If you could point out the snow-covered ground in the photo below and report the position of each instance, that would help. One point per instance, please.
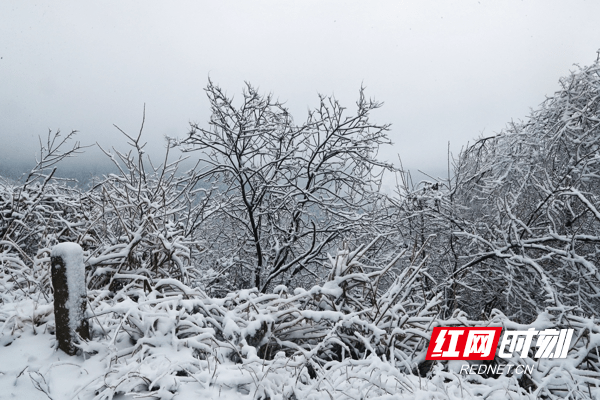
(182, 346)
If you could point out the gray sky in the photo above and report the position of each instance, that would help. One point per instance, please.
(446, 70)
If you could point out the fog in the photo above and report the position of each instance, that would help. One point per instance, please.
(447, 72)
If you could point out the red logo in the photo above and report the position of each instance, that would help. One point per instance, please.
(463, 343)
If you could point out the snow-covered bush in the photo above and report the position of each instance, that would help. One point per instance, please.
(176, 342)
(145, 220)
(36, 213)
(533, 193)
(516, 226)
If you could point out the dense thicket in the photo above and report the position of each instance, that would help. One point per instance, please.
(516, 229)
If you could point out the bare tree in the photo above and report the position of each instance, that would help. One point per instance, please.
(287, 192)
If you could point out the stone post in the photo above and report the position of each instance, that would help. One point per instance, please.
(70, 296)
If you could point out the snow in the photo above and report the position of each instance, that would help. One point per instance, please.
(168, 346)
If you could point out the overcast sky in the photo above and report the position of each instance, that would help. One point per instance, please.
(447, 71)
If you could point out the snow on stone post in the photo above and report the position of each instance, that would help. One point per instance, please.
(70, 295)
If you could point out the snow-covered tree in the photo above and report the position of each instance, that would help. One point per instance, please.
(285, 192)
(517, 227)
